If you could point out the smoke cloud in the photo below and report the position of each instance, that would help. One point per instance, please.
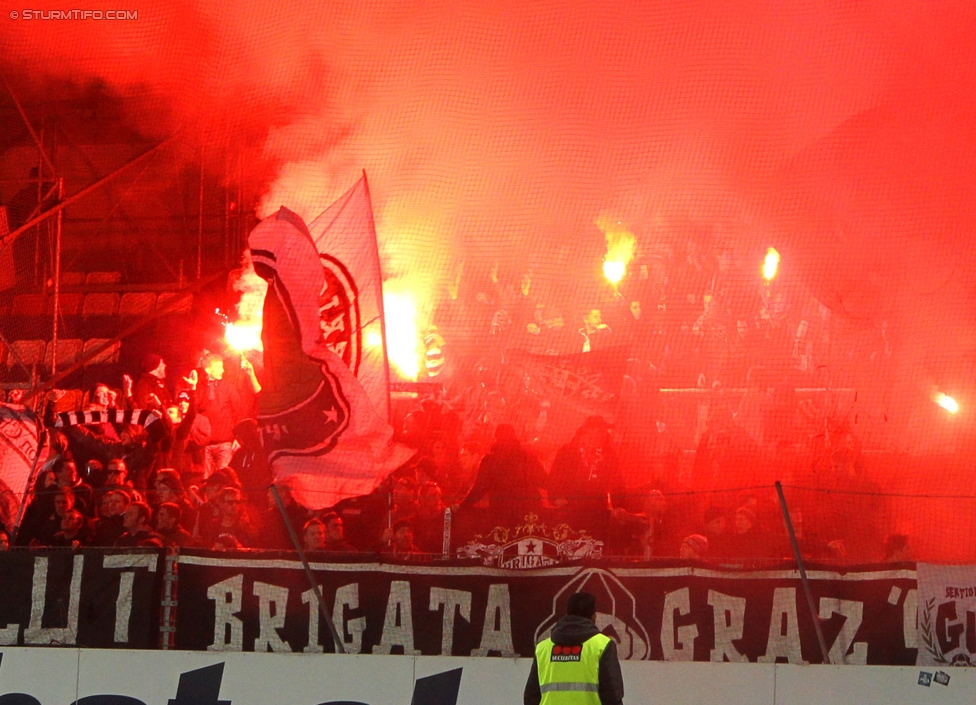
(841, 132)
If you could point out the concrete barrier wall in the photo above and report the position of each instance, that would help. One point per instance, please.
(116, 677)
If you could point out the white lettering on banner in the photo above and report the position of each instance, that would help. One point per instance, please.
(784, 629)
(909, 619)
(346, 596)
(853, 613)
(729, 618)
(8, 635)
(309, 598)
(398, 626)
(452, 601)
(272, 603)
(123, 603)
(35, 633)
(228, 596)
(497, 612)
(682, 648)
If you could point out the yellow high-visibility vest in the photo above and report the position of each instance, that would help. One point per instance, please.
(570, 675)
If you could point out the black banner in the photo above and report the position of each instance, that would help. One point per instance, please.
(679, 612)
(89, 598)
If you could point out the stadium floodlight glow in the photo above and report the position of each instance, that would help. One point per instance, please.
(614, 270)
(946, 402)
(770, 264)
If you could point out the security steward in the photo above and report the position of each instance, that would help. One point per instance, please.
(577, 665)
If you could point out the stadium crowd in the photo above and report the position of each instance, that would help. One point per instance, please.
(490, 449)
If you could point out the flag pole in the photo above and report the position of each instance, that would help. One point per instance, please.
(319, 600)
(803, 574)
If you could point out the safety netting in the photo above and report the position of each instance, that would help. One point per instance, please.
(739, 233)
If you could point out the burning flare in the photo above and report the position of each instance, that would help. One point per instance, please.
(946, 402)
(402, 333)
(770, 264)
(620, 248)
(245, 333)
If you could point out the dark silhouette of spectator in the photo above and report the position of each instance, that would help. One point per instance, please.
(109, 526)
(169, 525)
(190, 435)
(40, 508)
(227, 542)
(232, 518)
(401, 541)
(335, 535)
(715, 527)
(169, 489)
(274, 532)
(585, 478)
(220, 401)
(405, 498)
(137, 522)
(117, 478)
(897, 549)
(748, 540)
(428, 522)
(150, 391)
(67, 474)
(75, 531)
(510, 480)
(313, 536)
(209, 510)
(693, 548)
(63, 502)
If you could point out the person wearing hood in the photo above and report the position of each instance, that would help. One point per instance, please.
(577, 665)
(510, 479)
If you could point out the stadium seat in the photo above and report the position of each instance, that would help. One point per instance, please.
(68, 351)
(70, 304)
(100, 305)
(26, 352)
(73, 400)
(103, 278)
(137, 303)
(109, 355)
(167, 298)
(29, 305)
(72, 278)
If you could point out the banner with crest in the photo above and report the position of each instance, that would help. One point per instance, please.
(946, 615)
(676, 612)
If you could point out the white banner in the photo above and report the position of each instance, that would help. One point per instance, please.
(946, 615)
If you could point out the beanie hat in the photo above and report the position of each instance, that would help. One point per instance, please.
(697, 542)
(748, 513)
(150, 362)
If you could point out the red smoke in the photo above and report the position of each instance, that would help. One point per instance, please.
(499, 131)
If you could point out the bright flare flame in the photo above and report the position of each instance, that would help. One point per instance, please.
(402, 336)
(243, 335)
(374, 339)
(946, 402)
(614, 270)
(620, 248)
(770, 264)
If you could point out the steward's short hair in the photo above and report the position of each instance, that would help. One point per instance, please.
(581, 604)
